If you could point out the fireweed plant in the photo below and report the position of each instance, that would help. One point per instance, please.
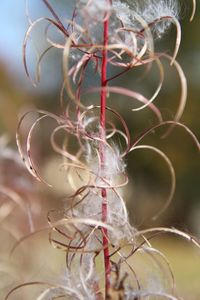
(93, 228)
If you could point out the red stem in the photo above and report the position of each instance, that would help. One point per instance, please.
(107, 265)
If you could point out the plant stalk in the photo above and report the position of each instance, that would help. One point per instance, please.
(107, 265)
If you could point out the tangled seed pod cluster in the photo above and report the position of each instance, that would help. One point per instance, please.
(93, 226)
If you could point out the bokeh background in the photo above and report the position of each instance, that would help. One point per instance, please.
(149, 177)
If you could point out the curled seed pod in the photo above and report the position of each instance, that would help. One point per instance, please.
(93, 228)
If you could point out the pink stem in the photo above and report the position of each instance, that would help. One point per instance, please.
(102, 153)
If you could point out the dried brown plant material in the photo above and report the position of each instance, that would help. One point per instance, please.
(93, 228)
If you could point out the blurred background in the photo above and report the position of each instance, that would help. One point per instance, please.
(148, 176)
